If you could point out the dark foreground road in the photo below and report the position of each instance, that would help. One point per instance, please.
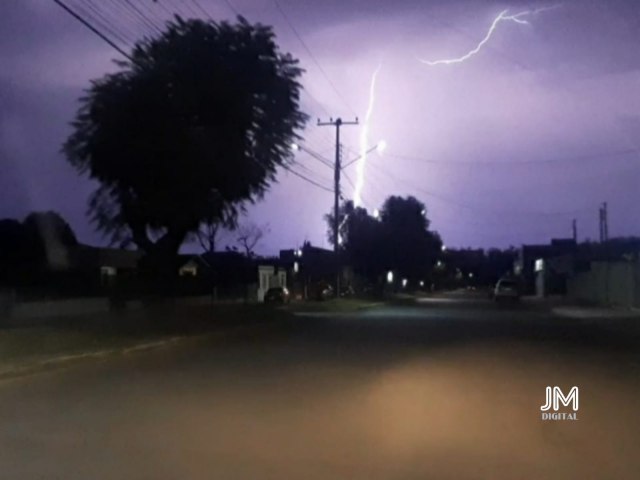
(446, 389)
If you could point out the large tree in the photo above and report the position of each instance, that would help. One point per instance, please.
(412, 247)
(398, 240)
(194, 126)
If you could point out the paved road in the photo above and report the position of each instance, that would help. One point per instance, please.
(448, 388)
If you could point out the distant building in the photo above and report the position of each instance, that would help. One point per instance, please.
(544, 269)
(106, 263)
(311, 270)
(230, 274)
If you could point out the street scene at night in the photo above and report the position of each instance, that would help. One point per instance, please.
(247, 239)
(449, 387)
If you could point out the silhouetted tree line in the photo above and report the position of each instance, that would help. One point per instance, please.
(397, 238)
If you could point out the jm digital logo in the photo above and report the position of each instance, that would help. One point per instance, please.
(554, 399)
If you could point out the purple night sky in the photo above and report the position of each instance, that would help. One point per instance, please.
(538, 128)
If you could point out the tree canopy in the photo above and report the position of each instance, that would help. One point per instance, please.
(398, 240)
(185, 133)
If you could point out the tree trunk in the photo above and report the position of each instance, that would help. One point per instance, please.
(159, 266)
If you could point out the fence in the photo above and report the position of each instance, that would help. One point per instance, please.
(607, 283)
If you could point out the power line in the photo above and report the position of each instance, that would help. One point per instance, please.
(145, 20)
(446, 199)
(153, 12)
(313, 58)
(316, 156)
(202, 9)
(190, 10)
(161, 4)
(232, 7)
(310, 171)
(101, 19)
(122, 13)
(314, 99)
(550, 161)
(349, 181)
(176, 9)
(93, 29)
(307, 179)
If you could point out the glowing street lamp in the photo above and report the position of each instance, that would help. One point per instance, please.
(422, 283)
(295, 147)
(376, 214)
(389, 276)
(404, 282)
(444, 248)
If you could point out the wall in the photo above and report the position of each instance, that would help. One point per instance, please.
(607, 283)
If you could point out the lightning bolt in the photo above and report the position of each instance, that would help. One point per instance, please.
(519, 18)
(364, 140)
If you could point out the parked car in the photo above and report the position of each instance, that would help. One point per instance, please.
(323, 291)
(347, 291)
(506, 289)
(277, 295)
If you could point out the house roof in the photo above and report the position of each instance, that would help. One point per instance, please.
(87, 257)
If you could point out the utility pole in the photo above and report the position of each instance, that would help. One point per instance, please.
(574, 227)
(337, 123)
(605, 221)
(600, 224)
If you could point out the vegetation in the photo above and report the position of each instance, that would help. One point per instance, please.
(399, 240)
(187, 132)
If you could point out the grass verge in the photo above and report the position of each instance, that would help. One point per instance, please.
(44, 344)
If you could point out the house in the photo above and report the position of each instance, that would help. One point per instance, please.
(103, 263)
(544, 269)
(230, 274)
(313, 268)
(270, 275)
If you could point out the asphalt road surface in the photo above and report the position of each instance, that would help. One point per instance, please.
(448, 388)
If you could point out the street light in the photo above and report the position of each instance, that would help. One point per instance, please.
(376, 214)
(422, 283)
(389, 276)
(404, 282)
(296, 267)
(444, 248)
(295, 147)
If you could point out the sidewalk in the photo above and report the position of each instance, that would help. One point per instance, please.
(595, 312)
